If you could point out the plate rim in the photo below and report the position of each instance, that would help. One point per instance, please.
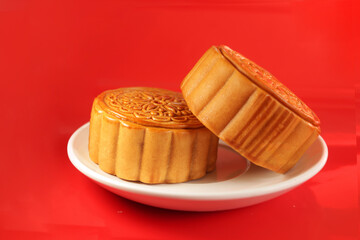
(145, 189)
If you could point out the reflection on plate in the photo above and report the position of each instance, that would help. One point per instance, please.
(235, 183)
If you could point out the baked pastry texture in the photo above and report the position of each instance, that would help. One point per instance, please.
(249, 109)
(149, 135)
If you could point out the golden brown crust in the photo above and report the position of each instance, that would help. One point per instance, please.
(149, 154)
(251, 120)
(269, 83)
(149, 107)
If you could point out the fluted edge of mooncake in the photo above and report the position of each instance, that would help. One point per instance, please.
(246, 117)
(150, 154)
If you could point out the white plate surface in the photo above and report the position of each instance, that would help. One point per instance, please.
(235, 183)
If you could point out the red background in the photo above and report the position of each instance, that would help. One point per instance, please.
(56, 56)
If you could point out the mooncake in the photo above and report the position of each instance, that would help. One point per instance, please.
(149, 135)
(249, 109)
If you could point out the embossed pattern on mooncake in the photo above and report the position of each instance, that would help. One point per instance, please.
(269, 82)
(150, 107)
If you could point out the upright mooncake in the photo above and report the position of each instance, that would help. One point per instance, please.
(249, 109)
(149, 135)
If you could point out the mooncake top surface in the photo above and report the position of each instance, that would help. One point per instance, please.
(270, 84)
(153, 107)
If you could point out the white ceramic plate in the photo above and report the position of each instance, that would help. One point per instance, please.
(234, 184)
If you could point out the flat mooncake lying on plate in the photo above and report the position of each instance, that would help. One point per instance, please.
(149, 135)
